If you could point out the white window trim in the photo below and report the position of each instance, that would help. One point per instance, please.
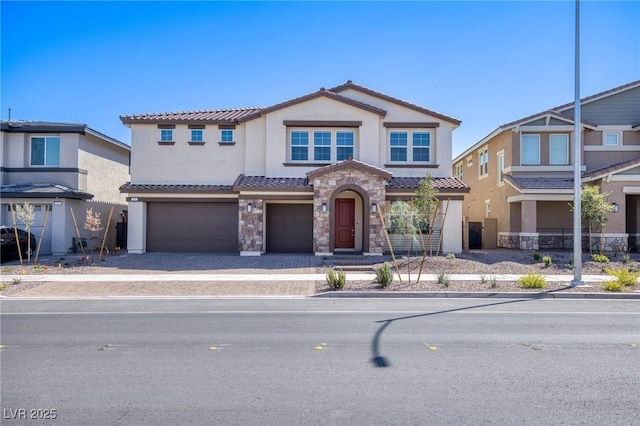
(522, 150)
(191, 135)
(310, 147)
(567, 150)
(611, 132)
(233, 136)
(167, 130)
(409, 147)
(501, 168)
(483, 162)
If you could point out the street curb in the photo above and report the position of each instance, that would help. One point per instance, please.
(480, 295)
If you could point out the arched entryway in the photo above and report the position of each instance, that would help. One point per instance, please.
(349, 219)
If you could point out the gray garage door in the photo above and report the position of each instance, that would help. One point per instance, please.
(192, 227)
(289, 228)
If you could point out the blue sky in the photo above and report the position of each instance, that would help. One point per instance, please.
(485, 63)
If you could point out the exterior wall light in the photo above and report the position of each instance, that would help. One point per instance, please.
(616, 208)
(249, 207)
(374, 208)
(324, 207)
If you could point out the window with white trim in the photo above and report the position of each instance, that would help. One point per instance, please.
(558, 149)
(611, 138)
(501, 167)
(45, 151)
(530, 149)
(197, 135)
(459, 170)
(226, 136)
(327, 145)
(483, 162)
(166, 135)
(487, 208)
(410, 146)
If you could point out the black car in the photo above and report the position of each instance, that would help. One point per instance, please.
(9, 249)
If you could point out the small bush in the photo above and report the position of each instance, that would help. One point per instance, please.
(625, 276)
(600, 258)
(384, 276)
(444, 279)
(483, 279)
(537, 257)
(626, 258)
(16, 280)
(493, 281)
(336, 279)
(546, 260)
(2, 287)
(451, 256)
(532, 281)
(614, 285)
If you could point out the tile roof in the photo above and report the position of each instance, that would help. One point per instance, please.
(440, 183)
(145, 187)
(540, 183)
(247, 182)
(43, 190)
(612, 168)
(351, 85)
(350, 162)
(205, 116)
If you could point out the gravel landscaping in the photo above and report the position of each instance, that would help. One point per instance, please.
(488, 265)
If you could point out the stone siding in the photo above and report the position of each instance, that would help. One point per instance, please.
(250, 229)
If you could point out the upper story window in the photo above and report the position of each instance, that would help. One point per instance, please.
(45, 151)
(483, 162)
(501, 167)
(299, 145)
(328, 145)
(459, 170)
(321, 146)
(197, 135)
(166, 135)
(611, 138)
(410, 146)
(344, 141)
(530, 149)
(226, 135)
(559, 149)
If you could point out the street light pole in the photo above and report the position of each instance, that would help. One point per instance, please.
(577, 162)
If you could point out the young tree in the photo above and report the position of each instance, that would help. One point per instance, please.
(92, 222)
(26, 215)
(595, 210)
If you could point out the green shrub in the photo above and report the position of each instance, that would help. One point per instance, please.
(626, 258)
(336, 279)
(2, 287)
(493, 281)
(451, 256)
(444, 279)
(16, 280)
(532, 281)
(614, 285)
(483, 279)
(625, 276)
(384, 276)
(600, 258)
(546, 260)
(537, 257)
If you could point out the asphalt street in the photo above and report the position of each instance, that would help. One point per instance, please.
(320, 361)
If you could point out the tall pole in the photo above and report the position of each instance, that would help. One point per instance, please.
(577, 162)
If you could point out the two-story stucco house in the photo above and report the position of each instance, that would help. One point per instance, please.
(306, 175)
(57, 167)
(521, 175)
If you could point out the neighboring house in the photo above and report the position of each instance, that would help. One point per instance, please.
(58, 167)
(521, 175)
(305, 175)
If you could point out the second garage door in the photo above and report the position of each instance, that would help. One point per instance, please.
(289, 228)
(192, 227)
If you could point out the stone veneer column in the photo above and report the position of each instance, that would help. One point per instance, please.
(330, 185)
(250, 227)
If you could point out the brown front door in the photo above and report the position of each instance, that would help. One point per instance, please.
(345, 223)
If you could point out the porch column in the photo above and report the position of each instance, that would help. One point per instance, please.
(529, 225)
(137, 227)
(250, 227)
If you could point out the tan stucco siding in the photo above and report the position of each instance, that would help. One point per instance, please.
(208, 163)
(107, 166)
